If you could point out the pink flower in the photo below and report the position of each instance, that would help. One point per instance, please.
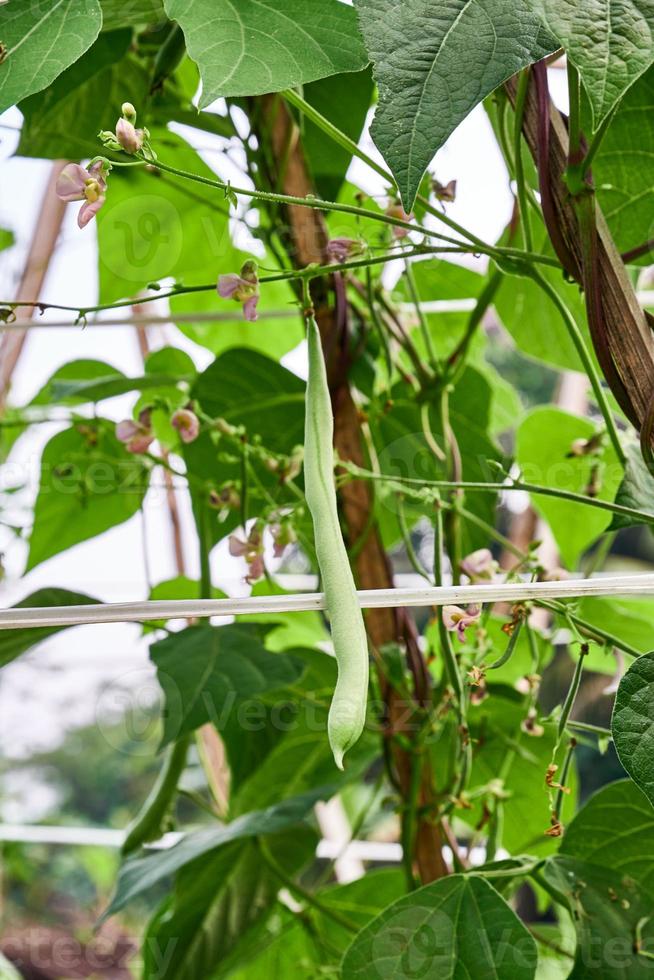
(187, 424)
(137, 436)
(397, 211)
(283, 535)
(341, 249)
(243, 288)
(457, 619)
(251, 549)
(130, 139)
(479, 566)
(75, 183)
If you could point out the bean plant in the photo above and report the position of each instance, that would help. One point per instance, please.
(216, 149)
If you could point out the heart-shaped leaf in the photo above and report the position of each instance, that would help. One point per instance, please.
(633, 723)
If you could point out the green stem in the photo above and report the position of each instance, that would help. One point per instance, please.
(586, 360)
(408, 543)
(204, 542)
(305, 895)
(521, 95)
(422, 320)
(568, 704)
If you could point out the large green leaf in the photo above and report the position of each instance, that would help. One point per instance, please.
(207, 671)
(544, 445)
(246, 389)
(456, 927)
(155, 225)
(43, 38)
(607, 908)
(124, 13)
(615, 829)
(288, 949)
(89, 483)
(258, 46)
(15, 642)
(139, 873)
(611, 42)
(433, 65)
(629, 617)
(636, 490)
(632, 724)
(219, 906)
(344, 100)
(495, 728)
(64, 119)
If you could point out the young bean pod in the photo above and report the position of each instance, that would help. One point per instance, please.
(150, 822)
(348, 708)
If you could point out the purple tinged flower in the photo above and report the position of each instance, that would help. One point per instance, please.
(130, 139)
(76, 183)
(187, 424)
(251, 549)
(283, 535)
(458, 620)
(479, 566)
(243, 288)
(136, 436)
(342, 249)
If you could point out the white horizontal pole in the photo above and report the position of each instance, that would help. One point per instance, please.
(135, 612)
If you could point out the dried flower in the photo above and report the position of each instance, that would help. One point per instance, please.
(457, 619)
(137, 436)
(444, 192)
(530, 725)
(187, 424)
(480, 566)
(396, 210)
(243, 288)
(76, 183)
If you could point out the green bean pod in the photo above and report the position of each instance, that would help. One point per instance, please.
(347, 712)
(149, 823)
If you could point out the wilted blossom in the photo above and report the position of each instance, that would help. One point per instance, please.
(76, 183)
(530, 724)
(187, 424)
(243, 288)
(479, 566)
(457, 620)
(137, 436)
(396, 210)
(342, 249)
(251, 549)
(554, 575)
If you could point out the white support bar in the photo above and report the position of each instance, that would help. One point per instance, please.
(460, 595)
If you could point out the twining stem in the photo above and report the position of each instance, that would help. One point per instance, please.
(521, 96)
(586, 360)
(422, 319)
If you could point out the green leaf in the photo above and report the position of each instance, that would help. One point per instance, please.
(629, 617)
(89, 483)
(60, 387)
(543, 445)
(41, 40)
(534, 322)
(64, 120)
(621, 176)
(632, 724)
(259, 46)
(124, 13)
(6, 239)
(15, 642)
(611, 42)
(155, 225)
(606, 908)
(636, 490)
(615, 829)
(288, 949)
(205, 671)
(496, 725)
(433, 67)
(344, 100)
(458, 926)
(138, 874)
(246, 389)
(218, 908)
